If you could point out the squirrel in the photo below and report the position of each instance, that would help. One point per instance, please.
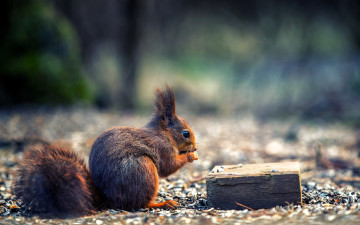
(125, 164)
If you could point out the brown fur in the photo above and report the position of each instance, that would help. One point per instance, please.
(125, 165)
(54, 182)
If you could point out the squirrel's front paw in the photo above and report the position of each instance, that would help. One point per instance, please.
(192, 156)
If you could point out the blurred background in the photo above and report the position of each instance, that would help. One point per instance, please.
(272, 59)
(259, 81)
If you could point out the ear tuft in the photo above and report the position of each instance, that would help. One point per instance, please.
(165, 104)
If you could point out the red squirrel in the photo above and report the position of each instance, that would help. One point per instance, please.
(124, 167)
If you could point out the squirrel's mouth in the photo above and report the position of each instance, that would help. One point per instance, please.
(183, 151)
(187, 149)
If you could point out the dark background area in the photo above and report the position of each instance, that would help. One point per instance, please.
(268, 58)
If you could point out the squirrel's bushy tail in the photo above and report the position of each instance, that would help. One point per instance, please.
(54, 182)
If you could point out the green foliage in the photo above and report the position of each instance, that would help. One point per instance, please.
(40, 58)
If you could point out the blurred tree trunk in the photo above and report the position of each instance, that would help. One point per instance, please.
(130, 45)
(109, 23)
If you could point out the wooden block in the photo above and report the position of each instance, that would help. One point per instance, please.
(254, 185)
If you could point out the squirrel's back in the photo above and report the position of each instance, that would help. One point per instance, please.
(54, 182)
(124, 166)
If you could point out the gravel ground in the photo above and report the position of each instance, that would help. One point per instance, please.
(328, 153)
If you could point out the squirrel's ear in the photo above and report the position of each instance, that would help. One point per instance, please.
(165, 104)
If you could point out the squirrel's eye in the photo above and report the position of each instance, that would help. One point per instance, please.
(186, 134)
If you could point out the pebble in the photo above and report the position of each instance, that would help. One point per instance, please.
(99, 222)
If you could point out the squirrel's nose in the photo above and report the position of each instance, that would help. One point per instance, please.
(194, 146)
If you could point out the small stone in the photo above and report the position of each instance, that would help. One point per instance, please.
(7, 196)
(6, 213)
(330, 217)
(113, 211)
(311, 184)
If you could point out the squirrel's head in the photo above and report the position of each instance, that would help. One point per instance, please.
(176, 128)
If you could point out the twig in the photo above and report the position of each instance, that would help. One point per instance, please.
(196, 179)
(246, 207)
